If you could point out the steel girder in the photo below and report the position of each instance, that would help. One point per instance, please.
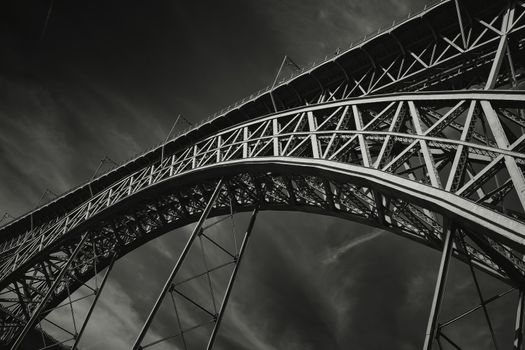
(408, 163)
(399, 162)
(445, 55)
(134, 226)
(475, 28)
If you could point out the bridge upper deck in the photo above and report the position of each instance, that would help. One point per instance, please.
(363, 69)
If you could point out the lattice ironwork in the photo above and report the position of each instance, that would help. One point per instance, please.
(444, 168)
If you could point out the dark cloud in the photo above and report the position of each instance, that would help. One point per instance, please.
(107, 78)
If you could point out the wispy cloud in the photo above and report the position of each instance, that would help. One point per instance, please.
(241, 330)
(114, 317)
(333, 254)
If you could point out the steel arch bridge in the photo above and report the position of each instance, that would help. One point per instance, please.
(420, 136)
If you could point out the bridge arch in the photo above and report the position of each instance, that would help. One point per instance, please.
(379, 160)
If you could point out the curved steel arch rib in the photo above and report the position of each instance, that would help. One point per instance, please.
(405, 163)
(274, 184)
(414, 163)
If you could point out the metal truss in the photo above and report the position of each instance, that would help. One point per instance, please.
(443, 140)
(476, 42)
(444, 168)
(213, 317)
(411, 160)
(451, 52)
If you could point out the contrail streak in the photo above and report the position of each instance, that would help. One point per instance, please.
(334, 254)
(47, 20)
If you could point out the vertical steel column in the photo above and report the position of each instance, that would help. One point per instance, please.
(92, 307)
(460, 22)
(502, 47)
(232, 279)
(440, 287)
(481, 299)
(196, 230)
(34, 317)
(359, 125)
(313, 137)
(515, 173)
(275, 139)
(518, 330)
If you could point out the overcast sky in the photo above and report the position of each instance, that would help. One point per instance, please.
(107, 78)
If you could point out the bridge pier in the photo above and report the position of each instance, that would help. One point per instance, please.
(185, 251)
(171, 287)
(40, 308)
(518, 330)
(439, 290)
(232, 280)
(94, 303)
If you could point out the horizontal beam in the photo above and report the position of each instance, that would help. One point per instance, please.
(514, 96)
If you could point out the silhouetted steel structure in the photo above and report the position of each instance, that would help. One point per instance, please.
(418, 130)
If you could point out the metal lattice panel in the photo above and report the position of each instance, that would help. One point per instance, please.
(445, 168)
(359, 133)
